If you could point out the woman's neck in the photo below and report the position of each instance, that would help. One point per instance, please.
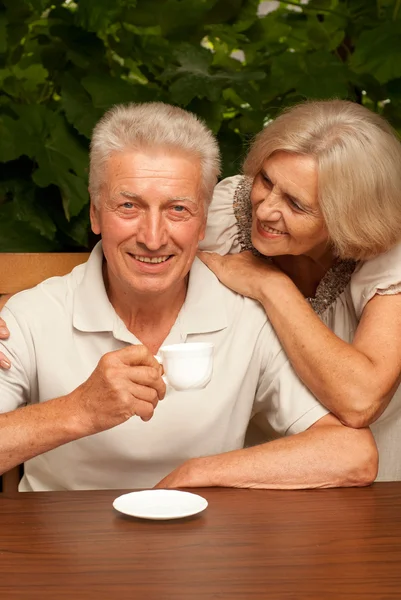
(306, 271)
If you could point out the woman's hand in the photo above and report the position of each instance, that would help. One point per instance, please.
(4, 334)
(244, 273)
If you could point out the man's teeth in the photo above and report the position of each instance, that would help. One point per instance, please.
(271, 230)
(156, 259)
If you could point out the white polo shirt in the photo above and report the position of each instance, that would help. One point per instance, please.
(61, 328)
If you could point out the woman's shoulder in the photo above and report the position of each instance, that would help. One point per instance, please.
(332, 286)
(379, 275)
(225, 221)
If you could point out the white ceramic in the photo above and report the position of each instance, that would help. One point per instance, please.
(160, 505)
(187, 366)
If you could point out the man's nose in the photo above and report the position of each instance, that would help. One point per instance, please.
(270, 209)
(152, 231)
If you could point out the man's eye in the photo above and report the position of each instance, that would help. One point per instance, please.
(128, 205)
(178, 208)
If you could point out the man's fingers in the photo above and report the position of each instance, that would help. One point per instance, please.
(143, 393)
(144, 410)
(149, 377)
(135, 355)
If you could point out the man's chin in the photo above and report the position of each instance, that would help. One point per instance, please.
(151, 286)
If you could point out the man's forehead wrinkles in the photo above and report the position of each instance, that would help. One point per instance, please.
(135, 196)
(155, 173)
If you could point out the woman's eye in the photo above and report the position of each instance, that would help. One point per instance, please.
(266, 180)
(295, 204)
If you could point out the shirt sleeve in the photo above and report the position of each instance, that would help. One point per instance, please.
(282, 402)
(15, 383)
(222, 227)
(380, 275)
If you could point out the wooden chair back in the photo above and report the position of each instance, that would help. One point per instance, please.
(20, 271)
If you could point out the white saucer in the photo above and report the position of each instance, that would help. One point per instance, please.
(160, 504)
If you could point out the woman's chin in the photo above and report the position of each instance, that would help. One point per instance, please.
(269, 247)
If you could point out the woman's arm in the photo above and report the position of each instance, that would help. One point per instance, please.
(354, 381)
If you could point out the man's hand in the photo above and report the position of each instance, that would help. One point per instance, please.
(4, 334)
(125, 383)
(192, 473)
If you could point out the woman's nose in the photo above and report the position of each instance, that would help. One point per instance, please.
(270, 208)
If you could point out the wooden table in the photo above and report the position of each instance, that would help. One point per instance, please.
(320, 544)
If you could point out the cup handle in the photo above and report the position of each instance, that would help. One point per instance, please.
(160, 361)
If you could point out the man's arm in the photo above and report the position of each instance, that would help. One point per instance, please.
(125, 383)
(328, 454)
(4, 334)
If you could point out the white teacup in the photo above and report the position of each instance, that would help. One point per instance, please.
(187, 366)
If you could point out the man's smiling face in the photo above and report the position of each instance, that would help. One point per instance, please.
(151, 217)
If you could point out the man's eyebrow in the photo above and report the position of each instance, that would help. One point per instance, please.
(181, 199)
(134, 196)
(130, 195)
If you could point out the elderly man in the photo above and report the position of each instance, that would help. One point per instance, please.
(80, 402)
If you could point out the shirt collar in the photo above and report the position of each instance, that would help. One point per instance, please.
(92, 308)
(203, 311)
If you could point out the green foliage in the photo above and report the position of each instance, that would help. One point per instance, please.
(235, 63)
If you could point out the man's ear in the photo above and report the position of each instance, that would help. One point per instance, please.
(94, 218)
(202, 231)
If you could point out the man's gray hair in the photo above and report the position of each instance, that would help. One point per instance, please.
(152, 125)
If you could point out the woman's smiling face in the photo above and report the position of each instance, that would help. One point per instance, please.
(286, 215)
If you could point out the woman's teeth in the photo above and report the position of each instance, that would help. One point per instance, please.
(271, 230)
(147, 259)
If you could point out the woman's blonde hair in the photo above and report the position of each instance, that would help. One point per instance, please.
(358, 158)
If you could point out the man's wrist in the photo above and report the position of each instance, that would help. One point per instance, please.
(203, 472)
(76, 422)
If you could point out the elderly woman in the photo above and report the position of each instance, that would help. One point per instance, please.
(321, 198)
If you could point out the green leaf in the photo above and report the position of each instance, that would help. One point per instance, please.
(248, 15)
(78, 106)
(314, 75)
(193, 60)
(74, 192)
(83, 48)
(188, 87)
(31, 77)
(3, 32)
(378, 52)
(96, 15)
(77, 229)
(13, 139)
(25, 207)
(324, 77)
(19, 236)
(61, 159)
(106, 91)
(53, 139)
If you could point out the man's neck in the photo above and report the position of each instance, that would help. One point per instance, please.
(149, 317)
